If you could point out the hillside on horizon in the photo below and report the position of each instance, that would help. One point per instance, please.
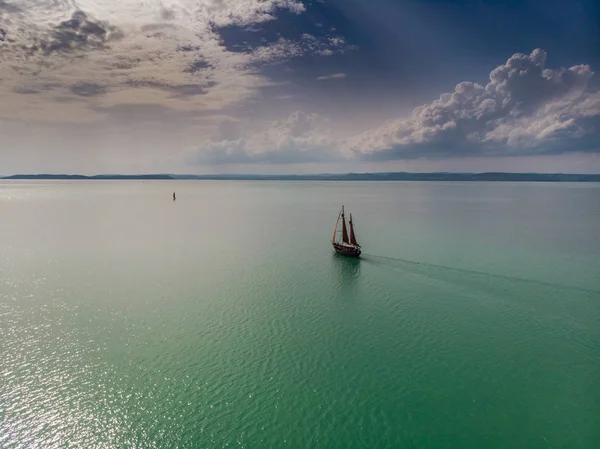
(385, 176)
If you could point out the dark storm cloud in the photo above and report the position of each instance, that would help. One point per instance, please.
(188, 47)
(26, 90)
(178, 90)
(126, 64)
(167, 14)
(197, 66)
(88, 89)
(36, 88)
(184, 90)
(9, 7)
(139, 83)
(78, 33)
(63, 99)
(157, 29)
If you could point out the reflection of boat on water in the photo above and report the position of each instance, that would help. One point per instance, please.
(346, 270)
(347, 246)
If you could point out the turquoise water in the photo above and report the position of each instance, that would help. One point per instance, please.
(223, 319)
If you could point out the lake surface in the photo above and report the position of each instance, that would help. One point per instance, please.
(223, 319)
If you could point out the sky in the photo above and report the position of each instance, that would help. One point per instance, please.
(299, 86)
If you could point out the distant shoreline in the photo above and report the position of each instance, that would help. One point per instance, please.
(391, 176)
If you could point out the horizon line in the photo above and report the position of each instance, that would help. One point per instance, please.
(306, 174)
(331, 177)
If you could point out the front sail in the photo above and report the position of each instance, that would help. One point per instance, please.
(336, 226)
(344, 230)
(352, 236)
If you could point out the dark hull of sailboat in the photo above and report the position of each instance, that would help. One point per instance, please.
(347, 250)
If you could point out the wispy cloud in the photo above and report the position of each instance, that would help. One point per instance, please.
(176, 51)
(299, 138)
(284, 49)
(331, 77)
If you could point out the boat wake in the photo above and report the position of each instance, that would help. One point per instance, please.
(389, 261)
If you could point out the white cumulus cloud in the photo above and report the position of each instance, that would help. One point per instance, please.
(525, 108)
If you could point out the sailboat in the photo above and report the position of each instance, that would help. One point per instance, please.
(348, 246)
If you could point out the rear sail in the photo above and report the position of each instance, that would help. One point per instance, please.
(344, 230)
(352, 236)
